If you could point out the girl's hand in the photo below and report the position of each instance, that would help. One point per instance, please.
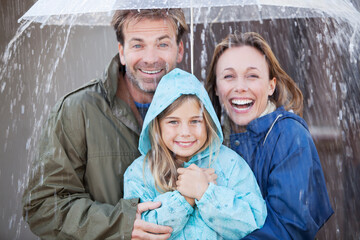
(211, 175)
(191, 201)
(192, 181)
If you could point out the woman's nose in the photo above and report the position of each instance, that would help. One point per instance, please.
(241, 85)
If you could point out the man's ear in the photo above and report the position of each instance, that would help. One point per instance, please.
(121, 53)
(180, 52)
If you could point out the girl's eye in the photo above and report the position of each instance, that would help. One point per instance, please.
(173, 122)
(195, 121)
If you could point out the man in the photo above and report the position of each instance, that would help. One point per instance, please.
(76, 188)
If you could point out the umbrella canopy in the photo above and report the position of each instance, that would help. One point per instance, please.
(94, 12)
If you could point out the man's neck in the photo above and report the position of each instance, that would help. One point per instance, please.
(137, 94)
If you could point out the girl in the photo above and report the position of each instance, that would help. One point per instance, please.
(180, 140)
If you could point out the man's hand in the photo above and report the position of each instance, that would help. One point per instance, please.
(145, 230)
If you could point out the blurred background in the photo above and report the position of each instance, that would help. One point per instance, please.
(39, 64)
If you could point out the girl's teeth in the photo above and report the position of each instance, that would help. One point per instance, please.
(185, 144)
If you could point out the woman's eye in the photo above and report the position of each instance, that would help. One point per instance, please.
(229, 76)
(253, 76)
(173, 122)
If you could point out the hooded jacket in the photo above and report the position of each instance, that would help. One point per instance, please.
(279, 149)
(75, 186)
(230, 209)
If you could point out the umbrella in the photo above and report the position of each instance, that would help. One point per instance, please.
(93, 12)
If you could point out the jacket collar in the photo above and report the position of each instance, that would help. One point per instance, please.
(110, 80)
(118, 96)
(260, 127)
(257, 128)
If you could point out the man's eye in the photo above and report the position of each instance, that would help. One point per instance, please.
(163, 45)
(137, 46)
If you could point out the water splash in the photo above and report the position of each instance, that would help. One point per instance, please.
(321, 54)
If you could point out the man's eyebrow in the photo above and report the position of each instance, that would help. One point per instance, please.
(163, 37)
(141, 40)
(136, 40)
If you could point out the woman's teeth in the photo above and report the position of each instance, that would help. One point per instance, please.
(242, 102)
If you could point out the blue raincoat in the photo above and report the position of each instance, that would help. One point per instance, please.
(231, 209)
(279, 149)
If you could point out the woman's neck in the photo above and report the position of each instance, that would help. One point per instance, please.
(237, 128)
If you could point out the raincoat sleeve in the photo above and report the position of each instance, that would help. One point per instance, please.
(297, 198)
(56, 203)
(174, 211)
(237, 208)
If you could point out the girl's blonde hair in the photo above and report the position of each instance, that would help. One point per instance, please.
(286, 93)
(162, 162)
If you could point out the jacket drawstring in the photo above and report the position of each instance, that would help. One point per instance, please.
(272, 125)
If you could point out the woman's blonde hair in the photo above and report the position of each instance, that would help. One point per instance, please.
(286, 93)
(162, 162)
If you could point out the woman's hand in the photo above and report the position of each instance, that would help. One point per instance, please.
(193, 181)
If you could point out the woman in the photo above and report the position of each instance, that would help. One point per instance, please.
(258, 103)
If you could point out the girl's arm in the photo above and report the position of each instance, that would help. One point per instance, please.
(174, 211)
(236, 208)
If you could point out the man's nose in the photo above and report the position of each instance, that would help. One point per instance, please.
(150, 55)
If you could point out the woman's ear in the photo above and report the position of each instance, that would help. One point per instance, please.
(272, 86)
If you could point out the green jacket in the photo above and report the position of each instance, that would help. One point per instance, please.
(76, 185)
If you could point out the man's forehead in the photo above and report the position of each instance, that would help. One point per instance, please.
(150, 26)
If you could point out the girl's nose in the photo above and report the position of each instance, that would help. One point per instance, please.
(185, 130)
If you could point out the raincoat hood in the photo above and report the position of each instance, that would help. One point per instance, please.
(171, 87)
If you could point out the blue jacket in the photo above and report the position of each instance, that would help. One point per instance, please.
(280, 151)
(229, 210)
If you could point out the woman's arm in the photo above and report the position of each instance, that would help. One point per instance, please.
(296, 195)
